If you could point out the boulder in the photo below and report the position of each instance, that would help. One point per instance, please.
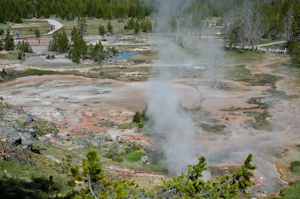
(15, 134)
(144, 159)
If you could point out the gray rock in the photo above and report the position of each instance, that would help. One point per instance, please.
(91, 136)
(46, 140)
(106, 138)
(144, 159)
(29, 119)
(60, 137)
(15, 134)
(120, 139)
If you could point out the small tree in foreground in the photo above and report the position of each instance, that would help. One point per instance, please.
(110, 28)
(102, 30)
(9, 41)
(37, 33)
(187, 185)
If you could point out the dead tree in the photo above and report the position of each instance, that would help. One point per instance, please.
(257, 30)
(201, 98)
(247, 14)
(288, 24)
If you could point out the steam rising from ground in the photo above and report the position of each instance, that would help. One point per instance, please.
(164, 102)
(168, 117)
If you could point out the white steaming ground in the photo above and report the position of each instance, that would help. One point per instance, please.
(167, 117)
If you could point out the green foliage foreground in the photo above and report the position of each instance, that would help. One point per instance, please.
(187, 185)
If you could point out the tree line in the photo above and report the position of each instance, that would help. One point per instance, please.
(14, 10)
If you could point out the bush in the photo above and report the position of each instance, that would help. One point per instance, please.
(71, 183)
(78, 178)
(113, 153)
(53, 56)
(48, 57)
(19, 56)
(74, 171)
(135, 156)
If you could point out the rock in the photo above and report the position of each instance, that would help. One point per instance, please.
(120, 139)
(83, 142)
(29, 119)
(144, 159)
(91, 136)
(16, 134)
(46, 140)
(106, 138)
(60, 137)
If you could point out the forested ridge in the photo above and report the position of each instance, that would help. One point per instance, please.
(14, 10)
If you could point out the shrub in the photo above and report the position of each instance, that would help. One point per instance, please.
(19, 56)
(78, 178)
(74, 171)
(135, 156)
(71, 183)
(113, 153)
(48, 57)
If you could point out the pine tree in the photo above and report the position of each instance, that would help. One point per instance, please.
(136, 27)
(109, 28)
(37, 33)
(9, 41)
(1, 45)
(102, 30)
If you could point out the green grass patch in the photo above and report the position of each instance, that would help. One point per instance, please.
(135, 156)
(104, 124)
(238, 56)
(283, 95)
(291, 191)
(9, 56)
(213, 128)
(233, 108)
(295, 167)
(37, 184)
(34, 72)
(240, 73)
(128, 125)
(261, 123)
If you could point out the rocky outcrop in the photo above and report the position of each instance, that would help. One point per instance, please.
(93, 140)
(16, 134)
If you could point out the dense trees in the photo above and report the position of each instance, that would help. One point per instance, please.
(59, 43)
(14, 10)
(294, 44)
(187, 185)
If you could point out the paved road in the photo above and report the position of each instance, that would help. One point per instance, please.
(56, 24)
(53, 22)
(267, 50)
